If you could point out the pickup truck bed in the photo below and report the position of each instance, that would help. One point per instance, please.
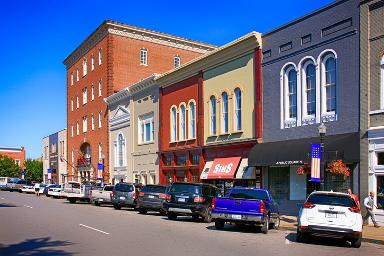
(246, 206)
(101, 196)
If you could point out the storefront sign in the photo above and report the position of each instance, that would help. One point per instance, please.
(315, 165)
(296, 162)
(223, 168)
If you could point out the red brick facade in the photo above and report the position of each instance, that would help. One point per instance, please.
(17, 154)
(120, 67)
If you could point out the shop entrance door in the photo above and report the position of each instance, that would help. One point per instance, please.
(181, 176)
(380, 198)
(278, 182)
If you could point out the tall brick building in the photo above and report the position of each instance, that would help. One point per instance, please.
(17, 154)
(112, 57)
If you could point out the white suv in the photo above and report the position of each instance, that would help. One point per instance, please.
(330, 214)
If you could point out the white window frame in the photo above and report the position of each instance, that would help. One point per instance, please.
(117, 151)
(92, 92)
(213, 115)
(77, 75)
(92, 62)
(173, 123)
(191, 120)
(85, 96)
(286, 121)
(143, 120)
(308, 118)
(381, 83)
(72, 130)
(85, 124)
(72, 104)
(100, 119)
(100, 88)
(72, 78)
(182, 122)
(327, 116)
(100, 55)
(93, 122)
(77, 128)
(235, 117)
(85, 67)
(224, 122)
(144, 57)
(176, 61)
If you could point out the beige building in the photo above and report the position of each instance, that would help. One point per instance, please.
(133, 126)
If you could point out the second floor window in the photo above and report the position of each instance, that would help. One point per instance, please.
(192, 120)
(85, 98)
(183, 128)
(120, 151)
(144, 56)
(173, 124)
(238, 109)
(330, 84)
(224, 113)
(146, 128)
(291, 92)
(213, 115)
(310, 89)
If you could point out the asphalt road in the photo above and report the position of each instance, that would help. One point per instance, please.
(31, 225)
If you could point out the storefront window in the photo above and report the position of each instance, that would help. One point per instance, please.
(380, 192)
(337, 183)
(380, 158)
(181, 176)
(195, 176)
(181, 160)
(278, 181)
(167, 160)
(195, 159)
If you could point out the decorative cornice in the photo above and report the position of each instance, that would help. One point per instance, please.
(121, 29)
(235, 49)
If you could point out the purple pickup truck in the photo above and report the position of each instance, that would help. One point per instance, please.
(251, 206)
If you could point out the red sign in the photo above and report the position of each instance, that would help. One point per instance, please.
(224, 168)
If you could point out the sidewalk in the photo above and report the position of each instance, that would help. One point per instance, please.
(370, 233)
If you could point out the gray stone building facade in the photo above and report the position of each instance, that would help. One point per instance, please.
(310, 76)
(133, 126)
(372, 101)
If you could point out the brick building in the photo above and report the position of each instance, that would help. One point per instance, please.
(112, 57)
(18, 154)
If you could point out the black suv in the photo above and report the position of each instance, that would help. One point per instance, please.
(190, 199)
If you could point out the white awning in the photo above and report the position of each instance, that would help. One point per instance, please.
(204, 173)
(242, 168)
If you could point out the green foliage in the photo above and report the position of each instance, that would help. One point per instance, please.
(33, 170)
(8, 167)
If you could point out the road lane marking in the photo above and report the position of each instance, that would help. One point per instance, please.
(95, 229)
(28, 206)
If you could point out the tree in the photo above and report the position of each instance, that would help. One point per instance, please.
(8, 167)
(34, 170)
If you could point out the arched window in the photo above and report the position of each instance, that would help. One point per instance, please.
(330, 84)
(292, 93)
(382, 82)
(120, 150)
(182, 134)
(310, 89)
(238, 109)
(192, 120)
(173, 124)
(213, 115)
(224, 113)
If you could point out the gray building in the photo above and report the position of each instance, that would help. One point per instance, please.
(310, 76)
(133, 127)
(372, 101)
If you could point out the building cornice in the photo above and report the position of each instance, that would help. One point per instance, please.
(121, 29)
(235, 49)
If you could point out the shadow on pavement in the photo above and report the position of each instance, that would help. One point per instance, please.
(327, 241)
(7, 205)
(238, 229)
(34, 247)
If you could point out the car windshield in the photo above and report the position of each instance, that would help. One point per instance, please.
(185, 188)
(108, 188)
(153, 189)
(73, 185)
(249, 194)
(124, 187)
(329, 199)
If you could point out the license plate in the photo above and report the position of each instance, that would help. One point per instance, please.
(236, 217)
(331, 215)
(181, 200)
(150, 196)
(122, 197)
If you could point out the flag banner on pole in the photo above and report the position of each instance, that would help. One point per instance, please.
(22, 174)
(315, 163)
(100, 168)
(49, 173)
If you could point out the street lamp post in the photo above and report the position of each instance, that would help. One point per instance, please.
(322, 131)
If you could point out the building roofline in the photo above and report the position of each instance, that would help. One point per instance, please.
(224, 53)
(12, 148)
(304, 17)
(118, 28)
(54, 133)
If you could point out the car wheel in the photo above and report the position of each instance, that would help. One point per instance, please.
(142, 210)
(96, 203)
(276, 224)
(72, 200)
(207, 218)
(219, 224)
(116, 206)
(265, 227)
(171, 216)
(356, 243)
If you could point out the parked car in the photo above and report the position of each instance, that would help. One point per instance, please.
(251, 206)
(56, 191)
(151, 198)
(42, 188)
(28, 188)
(190, 199)
(19, 185)
(11, 184)
(3, 182)
(46, 188)
(330, 214)
(75, 191)
(101, 195)
(125, 195)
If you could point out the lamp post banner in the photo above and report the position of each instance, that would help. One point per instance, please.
(315, 163)
(49, 173)
(22, 174)
(100, 168)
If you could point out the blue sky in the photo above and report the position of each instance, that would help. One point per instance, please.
(36, 36)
